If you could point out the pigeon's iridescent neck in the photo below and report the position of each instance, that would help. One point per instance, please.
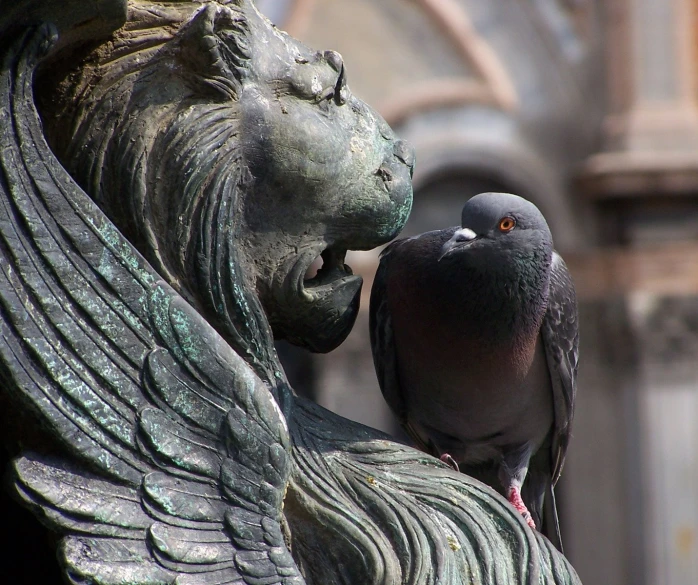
(505, 301)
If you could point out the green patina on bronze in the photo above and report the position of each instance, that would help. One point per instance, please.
(224, 157)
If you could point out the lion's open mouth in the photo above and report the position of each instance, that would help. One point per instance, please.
(333, 269)
(316, 311)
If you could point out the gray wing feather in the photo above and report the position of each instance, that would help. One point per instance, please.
(190, 450)
(382, 342)
(560, 332)
(383, 348)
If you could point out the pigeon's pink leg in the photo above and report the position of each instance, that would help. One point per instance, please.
(514, 497)
(448, 460)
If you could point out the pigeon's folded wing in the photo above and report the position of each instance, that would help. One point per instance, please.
(561, 340)
(382, 342)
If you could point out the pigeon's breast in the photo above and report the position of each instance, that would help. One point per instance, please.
(467, 381)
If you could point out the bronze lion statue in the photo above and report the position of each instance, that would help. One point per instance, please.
(168, 173)
(213, 140)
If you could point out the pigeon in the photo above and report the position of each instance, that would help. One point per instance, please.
(474, 335)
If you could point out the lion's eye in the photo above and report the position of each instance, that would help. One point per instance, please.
(325, 98)
(326, 94)
(506, 224)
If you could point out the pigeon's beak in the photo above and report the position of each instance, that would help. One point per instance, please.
(461, 238)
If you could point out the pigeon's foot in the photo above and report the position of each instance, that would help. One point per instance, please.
(514, 497)
(448, 460)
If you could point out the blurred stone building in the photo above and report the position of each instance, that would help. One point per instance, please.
(588, 108)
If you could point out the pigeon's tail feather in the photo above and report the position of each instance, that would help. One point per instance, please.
(537, 493)
(550, 526)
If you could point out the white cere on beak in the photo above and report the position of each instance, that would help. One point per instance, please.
(463, 235)
(460, 236)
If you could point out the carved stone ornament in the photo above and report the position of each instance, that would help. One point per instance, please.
(157, 219)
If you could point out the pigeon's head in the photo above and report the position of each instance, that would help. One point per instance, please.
(498, 228)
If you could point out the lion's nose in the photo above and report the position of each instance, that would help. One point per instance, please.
(404, 151)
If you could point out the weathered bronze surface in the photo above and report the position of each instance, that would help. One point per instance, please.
(206, 159)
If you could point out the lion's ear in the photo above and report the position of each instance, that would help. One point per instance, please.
(214, 48)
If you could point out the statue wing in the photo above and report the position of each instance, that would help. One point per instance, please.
(180, 454)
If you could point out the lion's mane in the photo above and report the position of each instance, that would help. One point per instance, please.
(154, 108)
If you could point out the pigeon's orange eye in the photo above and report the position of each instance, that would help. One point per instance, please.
(506, 224)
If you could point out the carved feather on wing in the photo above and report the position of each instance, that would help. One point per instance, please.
(183, 456)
